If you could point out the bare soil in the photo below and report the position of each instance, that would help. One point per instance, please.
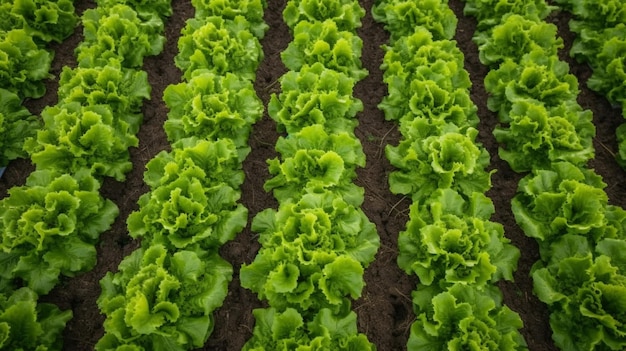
(385, 309)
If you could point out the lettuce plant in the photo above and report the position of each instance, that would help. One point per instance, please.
(95, 121)
(210, 161)
(566, 200)
(451, 160)
(601, 42)
(122, 89)
(315, 161)
(464, 317)
(212, 107)
(402, 17)
(220, 46)
(50, 227)
(43, 20)
(251, 10)
(192, 203)
(535, 136)
(594, 33)
(430, 97)
(26, 324)
(16, 125)
(323, 42)
(420, 57)
(545, 79)
(161, 300)
(426, 79)
(346, 13)
(23, 65)
(597, 14)
(601, 29)
(609, 66)
(428, 101)
(592, 37)
(516, 36)
(319, 220)
(76, 137)
(419, 127)
(118, 33)
(315, 95)
(184, 214)
(585, 289)
(145, 8)
(313, 253)
(450, 240)
(287, 330)
(490, 13)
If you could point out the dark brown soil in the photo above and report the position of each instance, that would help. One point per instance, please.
(385, 309)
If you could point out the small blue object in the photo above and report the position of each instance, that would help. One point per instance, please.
(2, 171)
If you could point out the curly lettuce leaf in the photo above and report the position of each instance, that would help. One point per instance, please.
(23, 65)
(16, 125)
(419, 127)
(451, 160)
(322, 280)
(193, 199)
(346, 13)
(315, 95)
(402, 17)
(537, 77)
(251, 10)
(535, 136)
(287, 330)
(426, 78)
(184, 214)
(211, 162)
(463, 317)
(601, 42)
(490, 13)
(516, 36)
(50, 227)
(609, 68)
(161, 300)
(319, 221)
(438, 108)
(118, 33)
(122, 89)
(220, 46)
(563, 200)
(445, 244)
(315, 161)
(43, 20)
(76, 137)
(212, 107)
(597, 14)
(323, 42)
(313, 253)
(26, 324)
(601, 29)
(586, 293)
(419, 56)
(144, 8)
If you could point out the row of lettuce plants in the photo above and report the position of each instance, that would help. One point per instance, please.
(164, 294)
(27, 27)
(449, 242)
(561, 203)
(50, 226)
(317, 243)
(600, 27)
